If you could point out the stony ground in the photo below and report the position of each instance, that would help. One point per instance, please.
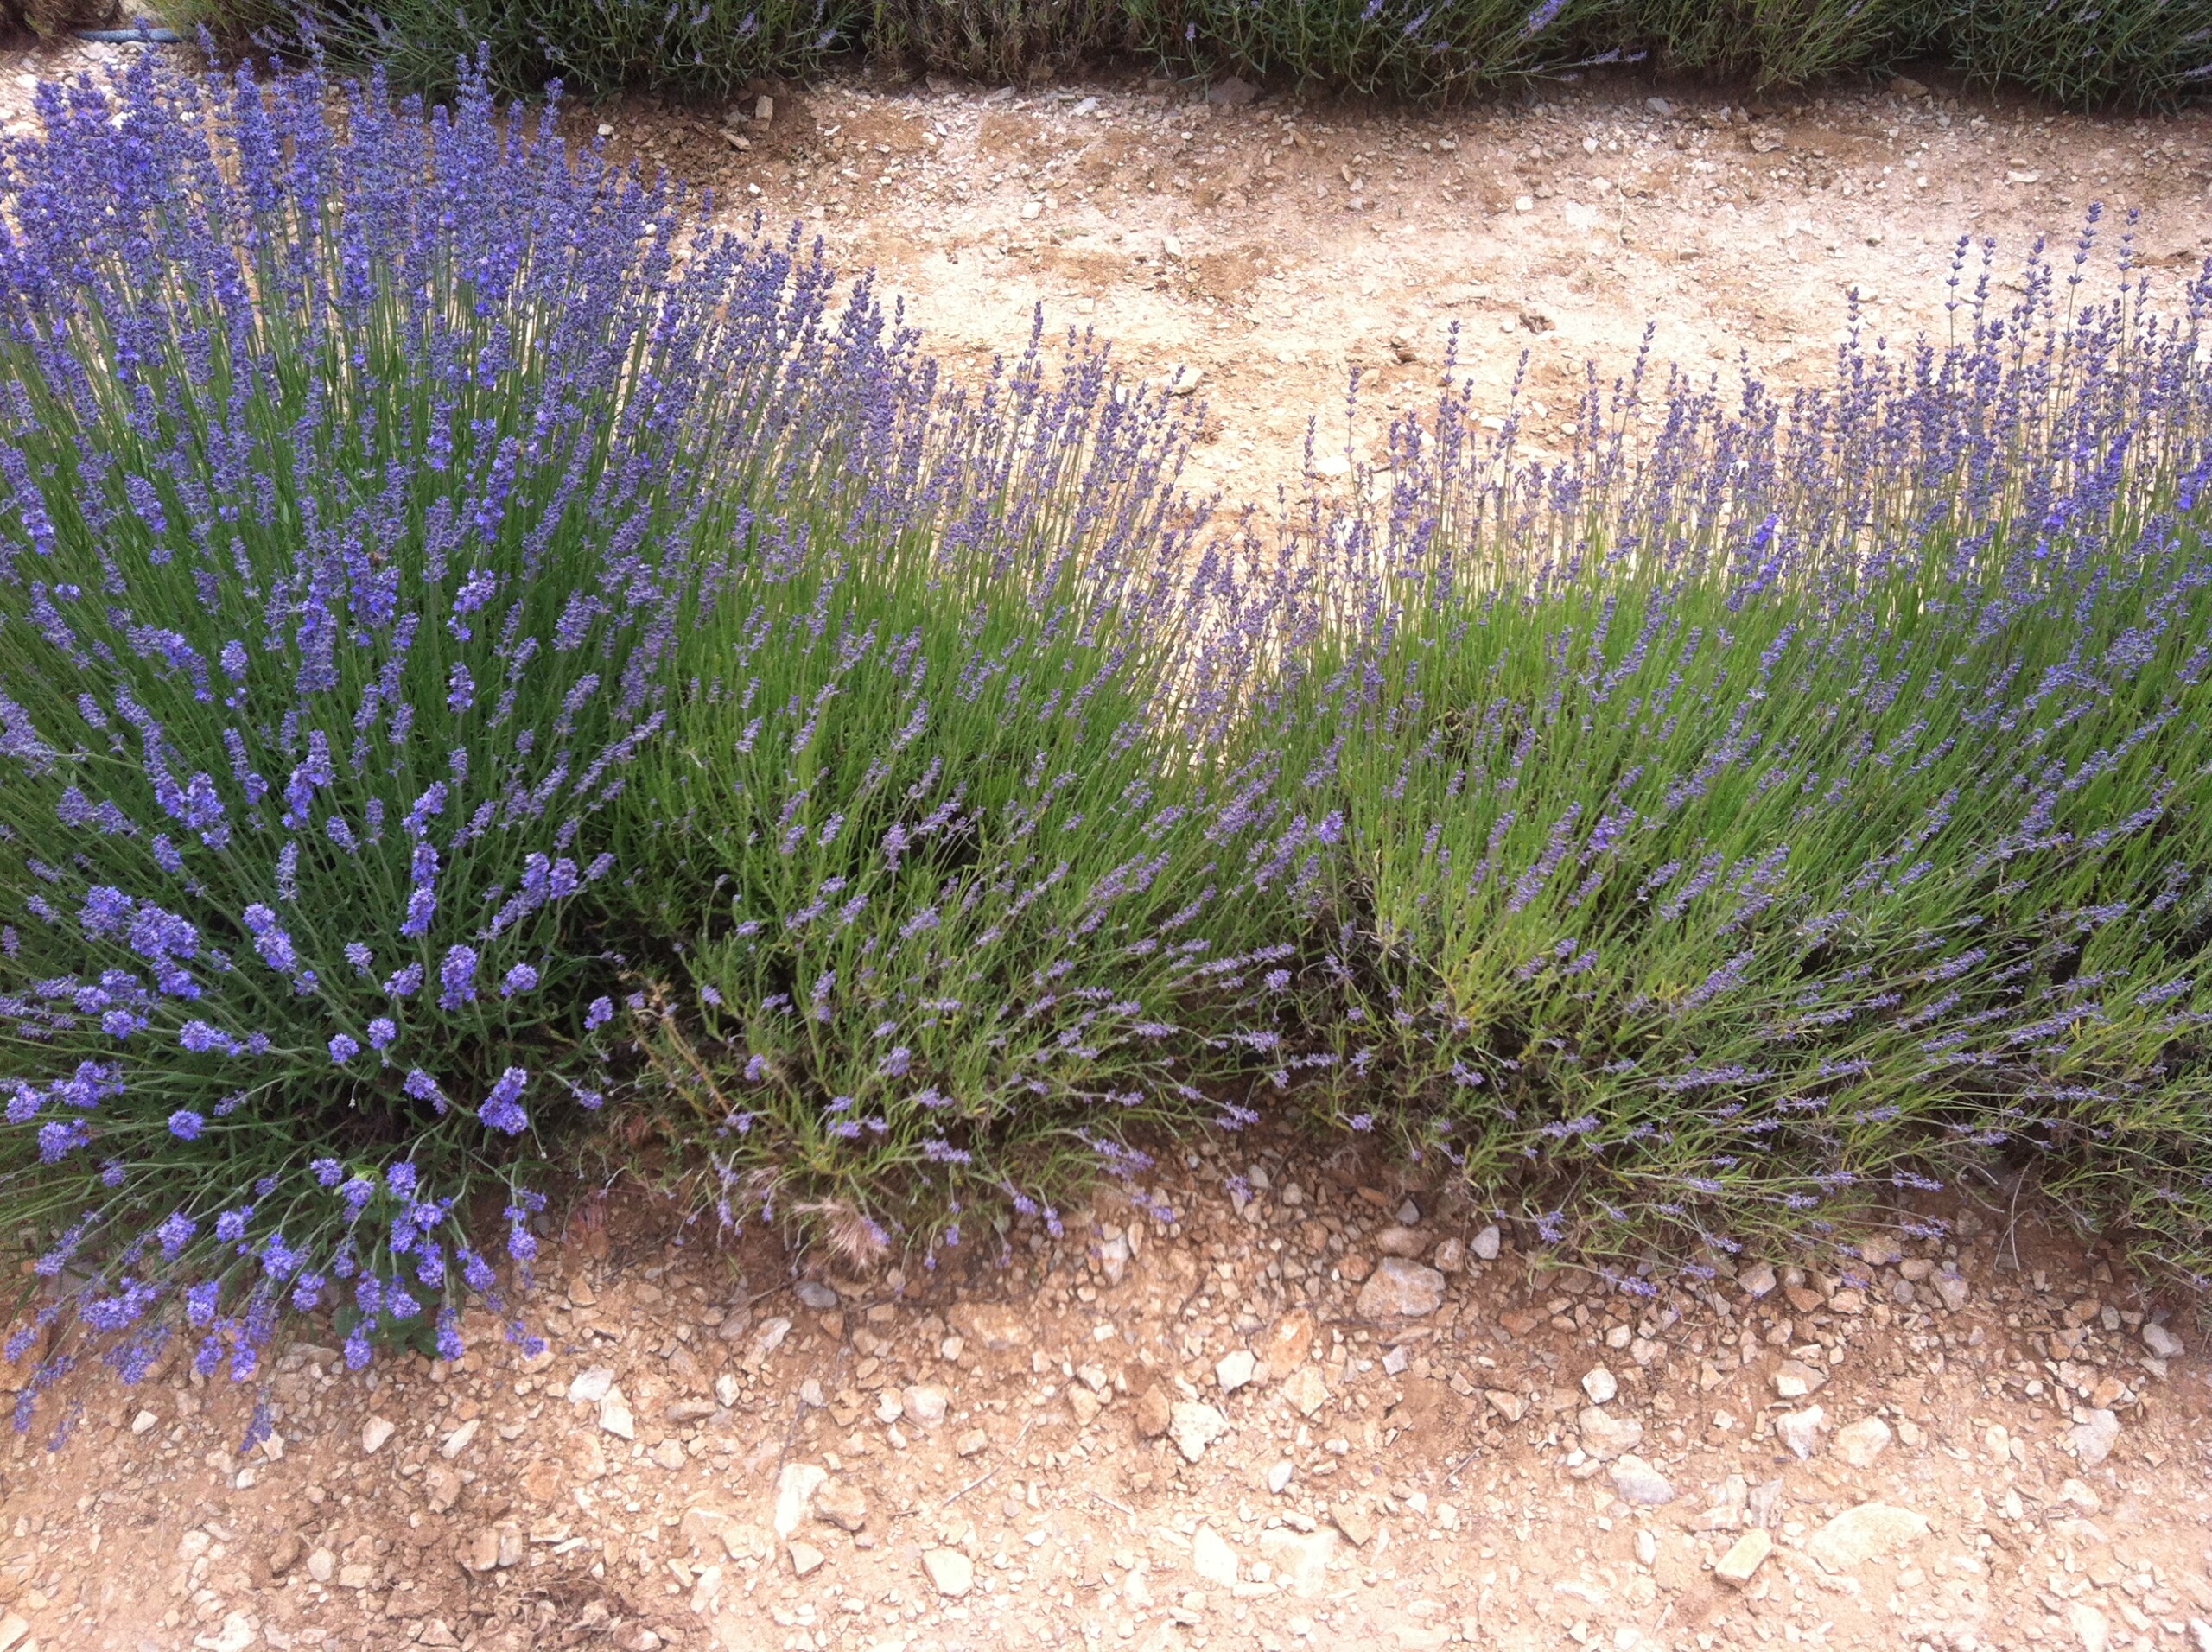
(1257, 252)
(1316, 1410)
(1319, 1409)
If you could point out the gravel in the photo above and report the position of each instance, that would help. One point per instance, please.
(1385, 1480)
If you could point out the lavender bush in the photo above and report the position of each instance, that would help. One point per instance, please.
(1427, 48)
(466, 652)
(1786, 41)
(1776, 807)
(969, 865)
(710, 48)
(999, 40)
(2087, 52)
(356, 464)
(2078, 52)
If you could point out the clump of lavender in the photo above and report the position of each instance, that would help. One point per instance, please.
(355, 463)
(1791, 43)
(711, 47)
(960, 835)
(1423, 48)
(2142, 53)
(1770, 809)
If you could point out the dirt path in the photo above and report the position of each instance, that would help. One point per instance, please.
(1214, 1431)
(1315, 1409)
(1266, 249)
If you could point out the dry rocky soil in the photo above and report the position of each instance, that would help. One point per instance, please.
(1255, 253)
(1266, 1399)
(1275, 1398)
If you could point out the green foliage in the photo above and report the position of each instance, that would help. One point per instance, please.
(2086, 52)
(706, 46)
(1644, 920)
(1414, 48)
(2081, 52)
(1788, 42)
(951, 834)
(999, 40)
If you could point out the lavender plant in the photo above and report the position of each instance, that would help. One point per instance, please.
(999, 40)
(970, 864)
(1416, 47)
(1790, 41)
(2080, 52)
(356, 464)
(461, 646)
(711, 48)
(2138, 52)
(1771, 808)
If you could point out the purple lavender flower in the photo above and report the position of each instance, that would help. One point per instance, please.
(502, 1109)
(457, 978)
(423, 1087)
(271, 941)
(199, 1038)
(1541, 18)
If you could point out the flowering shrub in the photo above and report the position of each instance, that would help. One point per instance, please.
(2085, 51)
(2078, 52)
(463, 653)
(711, 47)
(354, 467)
(1420, 47)
(1773, 808)
(970, 864)
(999, 40)
(1787, 41)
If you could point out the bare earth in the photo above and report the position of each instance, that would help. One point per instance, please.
(1268, 250)
(1201, 1433)
(1225, 1430)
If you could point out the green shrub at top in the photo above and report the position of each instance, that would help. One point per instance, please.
(593, 47)
(2078, 52)
(1788, 42)
(999, 40)
(1404, 47)
(2085, 52)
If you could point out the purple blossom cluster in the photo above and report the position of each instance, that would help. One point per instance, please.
(358, 464)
